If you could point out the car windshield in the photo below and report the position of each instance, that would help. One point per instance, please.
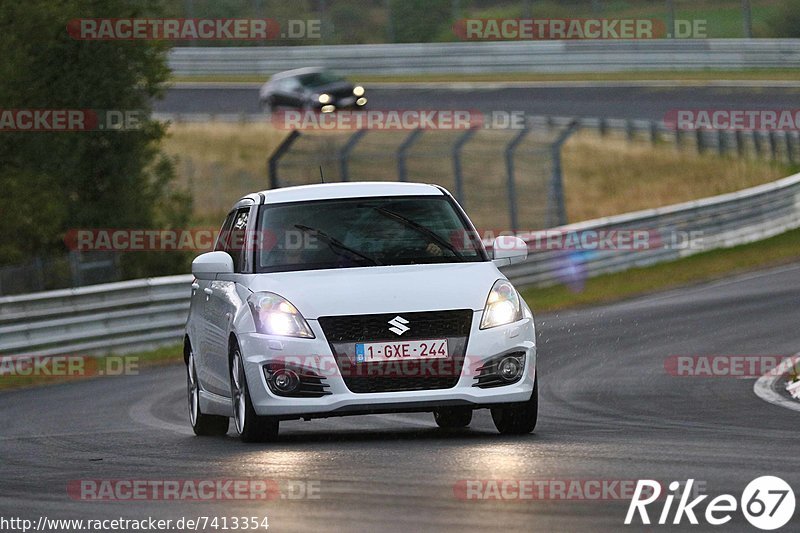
(317, 79)
(359, 232)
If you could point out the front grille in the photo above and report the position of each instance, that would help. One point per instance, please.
(343, 332)
(344, 92)
(375, 328)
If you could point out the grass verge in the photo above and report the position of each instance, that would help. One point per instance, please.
(603, 176)
(706, 266)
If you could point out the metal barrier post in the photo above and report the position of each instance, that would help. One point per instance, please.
(739, 143)
(556, 210)
(280, 151)
(773, 145)
(457, 175)
(402, 151)
(510, 184)
(344, 154)
(701, 146)
(757, 142)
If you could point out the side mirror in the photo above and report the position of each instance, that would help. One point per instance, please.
(208, 265)
(508, 250)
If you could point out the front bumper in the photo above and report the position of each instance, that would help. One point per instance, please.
(259, 350)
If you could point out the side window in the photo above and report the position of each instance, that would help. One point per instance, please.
(224, 233)
(290, 85)
(237, 244)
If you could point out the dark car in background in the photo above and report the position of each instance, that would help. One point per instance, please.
(311, 88)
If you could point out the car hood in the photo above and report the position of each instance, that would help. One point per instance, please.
(383, 289)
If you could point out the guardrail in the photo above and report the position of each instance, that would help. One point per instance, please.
(143, 313)
(492, 57)
(720, 222)
(118, 316)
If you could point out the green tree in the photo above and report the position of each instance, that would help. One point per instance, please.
(55, 181)
(786, 21)
(417, 21)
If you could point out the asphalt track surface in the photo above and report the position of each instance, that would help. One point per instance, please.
(603, 100)
(609, 411)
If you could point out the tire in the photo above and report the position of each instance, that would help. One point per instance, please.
(518, 418)
(203, 425)
(452, 417)
(250, 426)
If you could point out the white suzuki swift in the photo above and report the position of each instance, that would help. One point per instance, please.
(356, 298)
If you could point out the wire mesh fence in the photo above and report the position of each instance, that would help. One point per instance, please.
(504, 177)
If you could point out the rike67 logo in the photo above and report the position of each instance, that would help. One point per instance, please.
(767, 502)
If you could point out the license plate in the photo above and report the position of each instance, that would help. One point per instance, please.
(401, 350)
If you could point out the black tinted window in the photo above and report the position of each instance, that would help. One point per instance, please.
(364, 232)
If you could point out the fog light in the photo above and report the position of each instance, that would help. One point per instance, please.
(285, 381)
(361, 101)
(328, 108)
(509, 368)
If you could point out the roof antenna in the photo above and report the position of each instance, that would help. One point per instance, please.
(321, 177)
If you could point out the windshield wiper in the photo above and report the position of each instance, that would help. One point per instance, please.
(335, 244)
(419, 228)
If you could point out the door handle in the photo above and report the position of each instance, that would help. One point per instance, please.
(208, 291)
(195, 286)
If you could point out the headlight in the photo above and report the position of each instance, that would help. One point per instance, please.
(358, 90)
(276, 316)
(324, 98)
(502, 306)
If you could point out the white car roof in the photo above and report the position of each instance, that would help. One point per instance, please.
(327, 191)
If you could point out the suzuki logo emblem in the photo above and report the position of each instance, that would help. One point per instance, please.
(399, 324)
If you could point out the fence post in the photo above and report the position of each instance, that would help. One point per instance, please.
(773, 145)
(757, 142)
(670, 19)
(457, 175)
(739, 143)
(556, 210)
(39, 266)
(510, 183)
(701, 146)
(653, 132)
(280, 151)
(75, 268)
(630, 131)
(787, 135)
(344, 154)
(721, 144)
(401, 153)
